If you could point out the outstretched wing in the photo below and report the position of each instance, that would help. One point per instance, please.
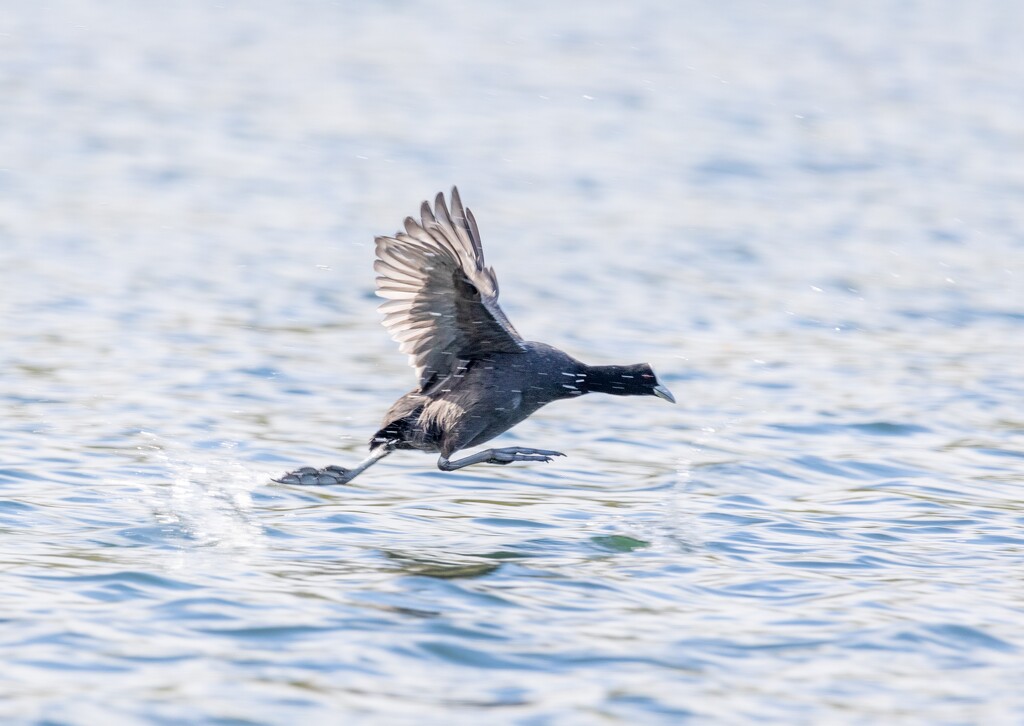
(442, 300)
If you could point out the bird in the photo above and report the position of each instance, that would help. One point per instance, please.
(477, 376)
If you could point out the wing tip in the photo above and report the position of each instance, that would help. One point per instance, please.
(441, 207)
(426, 214)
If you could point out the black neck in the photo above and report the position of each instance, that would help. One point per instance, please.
(616, 380)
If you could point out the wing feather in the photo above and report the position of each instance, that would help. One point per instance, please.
(442, 300)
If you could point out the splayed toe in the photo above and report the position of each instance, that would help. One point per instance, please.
(308, 476)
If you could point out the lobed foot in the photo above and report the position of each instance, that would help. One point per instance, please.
(518, 453)
(308, 476)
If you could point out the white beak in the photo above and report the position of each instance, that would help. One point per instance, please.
(661, 392)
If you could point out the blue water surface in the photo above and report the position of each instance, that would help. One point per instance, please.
(807, 217)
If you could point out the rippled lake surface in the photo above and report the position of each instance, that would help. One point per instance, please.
(808, 219)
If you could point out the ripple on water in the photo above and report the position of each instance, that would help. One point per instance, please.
(827, 529)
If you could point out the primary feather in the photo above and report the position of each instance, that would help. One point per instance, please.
(442, 304)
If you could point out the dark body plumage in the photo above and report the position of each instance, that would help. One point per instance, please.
(492, 395)
(478, 377)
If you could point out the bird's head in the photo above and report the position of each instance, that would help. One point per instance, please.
(650, 386)
(634, 380)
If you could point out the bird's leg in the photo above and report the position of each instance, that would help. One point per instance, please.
(335, 474)
(497, 456)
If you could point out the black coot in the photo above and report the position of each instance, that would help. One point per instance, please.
(477, 376)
